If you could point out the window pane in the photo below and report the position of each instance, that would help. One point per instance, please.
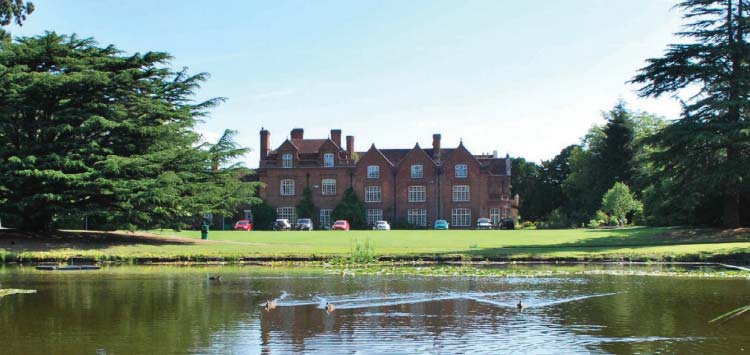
(417, 217)
(461, 193)
(373, 172)
(287, 187)
(328, 187)
(325, 218)
(374, 215)
(462, 170)
(287, 213)
(328, 160)
(287, 160)
(373, 194)
(417, 194)
(495, 215)
(417, 171)
(461, 217)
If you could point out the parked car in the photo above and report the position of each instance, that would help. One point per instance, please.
(507, 223)
(441, 224)
(304, 224)
(342, 225)
(243, 225)
(484, 223)
(282, 224)
(382, 226)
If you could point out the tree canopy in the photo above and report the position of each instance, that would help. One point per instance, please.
(706, 152)
(13, 11)
(87, 130)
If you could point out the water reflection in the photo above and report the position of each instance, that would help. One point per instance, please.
(171, 310)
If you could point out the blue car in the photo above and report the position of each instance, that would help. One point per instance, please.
(441, 224)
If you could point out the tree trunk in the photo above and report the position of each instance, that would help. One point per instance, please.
(731, 218)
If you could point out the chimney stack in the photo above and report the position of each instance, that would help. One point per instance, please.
(350, 147)
(436, 146)
(298, 133)
(336, 136)
(265, 141)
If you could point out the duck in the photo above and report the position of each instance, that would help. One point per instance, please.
(330, 307)
(520, 305)
(215, 278)
(270, 305)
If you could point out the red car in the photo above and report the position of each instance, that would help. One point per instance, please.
(243, 225)
(342, 225)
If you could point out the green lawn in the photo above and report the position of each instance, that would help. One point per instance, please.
(629, 244)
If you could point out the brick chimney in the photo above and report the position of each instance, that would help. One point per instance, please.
(336, 136)
(350, 146)
(265, 141)
(298, 133)
(436, 146)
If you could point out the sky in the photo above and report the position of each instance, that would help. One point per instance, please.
(524, 78)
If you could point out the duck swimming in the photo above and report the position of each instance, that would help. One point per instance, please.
(270, 305)
(215, 278)
(330, 307)
(520, 305)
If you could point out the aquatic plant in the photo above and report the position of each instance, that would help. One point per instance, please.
(362, 252)
(726, 317)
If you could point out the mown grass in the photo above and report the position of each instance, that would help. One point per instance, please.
(658, 244)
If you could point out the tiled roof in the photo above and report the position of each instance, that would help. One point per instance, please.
(308, 146)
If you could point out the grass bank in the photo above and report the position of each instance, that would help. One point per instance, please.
(630, 244)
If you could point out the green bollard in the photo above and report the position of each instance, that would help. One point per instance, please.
(204, 230)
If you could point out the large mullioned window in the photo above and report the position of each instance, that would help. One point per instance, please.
(417, 194)
(289, 213)
(417, 216)
(373, 194)
(461, 193)
(328, 187)
(461, 217)
(287, 187)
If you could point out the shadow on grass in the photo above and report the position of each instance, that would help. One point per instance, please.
(19, 241)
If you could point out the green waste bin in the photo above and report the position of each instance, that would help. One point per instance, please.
(204, 230)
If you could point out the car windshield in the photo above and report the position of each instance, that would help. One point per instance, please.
(441, 221)
(484, 220)
(242, 222)
(303, 220)
(340, 222)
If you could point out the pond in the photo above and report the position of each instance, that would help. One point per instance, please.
(179, 310)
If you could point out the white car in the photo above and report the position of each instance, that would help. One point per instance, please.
(484, 223)
(382, 226)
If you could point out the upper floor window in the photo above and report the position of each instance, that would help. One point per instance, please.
(329, 187)
(462, 170)
(417, 171)
(287, 187)
(328, 160)
(286, 160)
(373, 194)
(461, 193)
(417, 194)
(373, 172)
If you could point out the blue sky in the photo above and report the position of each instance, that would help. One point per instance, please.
(522, 77)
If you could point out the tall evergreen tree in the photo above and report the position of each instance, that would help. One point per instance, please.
(306, 208)
(708, 149)
(13, 11)
(614, 155)
(351, 209)
(86, 130)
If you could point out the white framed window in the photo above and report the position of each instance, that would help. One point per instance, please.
(373, 194)
(417, 171)
(289, 213)
(325, 217)
(505, 212)
(417, 216)
(461, 193)
(374, 215)
(287, 161)
(495, 216)
(462, 170)
(287, 187)
(328, 160)
(328, 187)
(461, 217)
(417, 194)
(373, 172)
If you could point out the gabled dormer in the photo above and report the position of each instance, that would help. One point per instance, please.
(287, 155)
(329, 154)
(417, 164)
(461, 164)
(373, 164)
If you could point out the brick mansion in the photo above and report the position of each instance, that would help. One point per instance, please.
(416, 185)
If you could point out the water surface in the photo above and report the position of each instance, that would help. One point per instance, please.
(178, 310)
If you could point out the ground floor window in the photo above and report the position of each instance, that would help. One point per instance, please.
(495, 216)
(289, 213)
(461, 217)
(374, 215)
(325, 218)
(505, 212)
(417, 217)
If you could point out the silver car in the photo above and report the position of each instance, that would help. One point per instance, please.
(382, 226)
(484, 223)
